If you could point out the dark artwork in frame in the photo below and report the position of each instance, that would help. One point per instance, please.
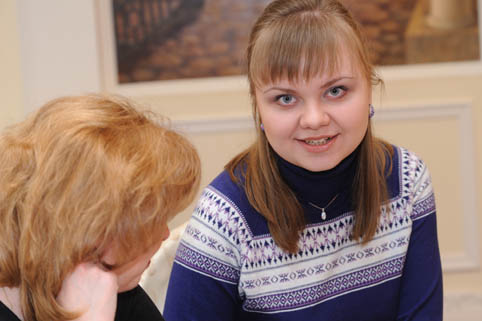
(183, 39)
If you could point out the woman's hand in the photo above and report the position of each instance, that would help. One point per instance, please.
(91, 291)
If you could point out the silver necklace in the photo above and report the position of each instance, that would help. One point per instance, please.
(322, 209)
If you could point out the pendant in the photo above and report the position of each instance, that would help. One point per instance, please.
(323, 214)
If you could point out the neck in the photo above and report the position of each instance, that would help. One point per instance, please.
(330, 191)
(10, 297)
(319, 187)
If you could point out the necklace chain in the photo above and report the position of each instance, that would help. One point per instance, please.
(322, 209)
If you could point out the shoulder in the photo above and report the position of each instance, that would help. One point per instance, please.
(410, 163)
(410, 182)
(227, 187)
(216, 233)
(230, 201)
(410, 168)
(404, 168)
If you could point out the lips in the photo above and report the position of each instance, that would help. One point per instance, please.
(318, 141)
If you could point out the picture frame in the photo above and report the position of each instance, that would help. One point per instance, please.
(110, 79)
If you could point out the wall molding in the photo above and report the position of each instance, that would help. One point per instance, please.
(215, 125)
(466, 260)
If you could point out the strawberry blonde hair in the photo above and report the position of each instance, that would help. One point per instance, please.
(77, 175)
(303, 38)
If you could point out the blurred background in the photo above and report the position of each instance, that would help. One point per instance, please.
(428, 52)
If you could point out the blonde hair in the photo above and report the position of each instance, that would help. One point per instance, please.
(303, 38)
(77, 175)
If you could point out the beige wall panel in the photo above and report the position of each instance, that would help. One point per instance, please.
(440, 148)
(204, 105)
(436, 141)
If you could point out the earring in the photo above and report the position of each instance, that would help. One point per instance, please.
(262, 127)
(372, 111)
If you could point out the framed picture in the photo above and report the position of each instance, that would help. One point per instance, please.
(200, 44)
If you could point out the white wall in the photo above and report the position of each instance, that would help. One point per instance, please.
(58, 48)
(11, 108)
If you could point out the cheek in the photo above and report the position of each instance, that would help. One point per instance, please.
(267, 116)
(278, 124)
(132, 272)
(139, 264)
(355, 119)
(278, 133)
(360, 122)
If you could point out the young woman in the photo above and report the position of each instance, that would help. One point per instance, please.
(87, 186)
(318, 219)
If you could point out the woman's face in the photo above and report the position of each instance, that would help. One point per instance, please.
(315, 124)
(129, 274)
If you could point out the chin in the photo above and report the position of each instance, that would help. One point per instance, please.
(127, 288)
(320, 167)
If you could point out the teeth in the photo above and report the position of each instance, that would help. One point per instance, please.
(318, 141)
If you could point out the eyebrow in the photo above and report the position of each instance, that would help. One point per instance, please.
(327, 84)
(331, 82)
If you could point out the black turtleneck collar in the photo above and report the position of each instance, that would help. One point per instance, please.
(321, 187)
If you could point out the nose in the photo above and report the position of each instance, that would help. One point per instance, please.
(314, 116)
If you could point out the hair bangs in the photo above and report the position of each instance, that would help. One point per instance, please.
(296, 48)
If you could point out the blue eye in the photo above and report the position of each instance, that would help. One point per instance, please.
(286, 99)
(337, 91)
